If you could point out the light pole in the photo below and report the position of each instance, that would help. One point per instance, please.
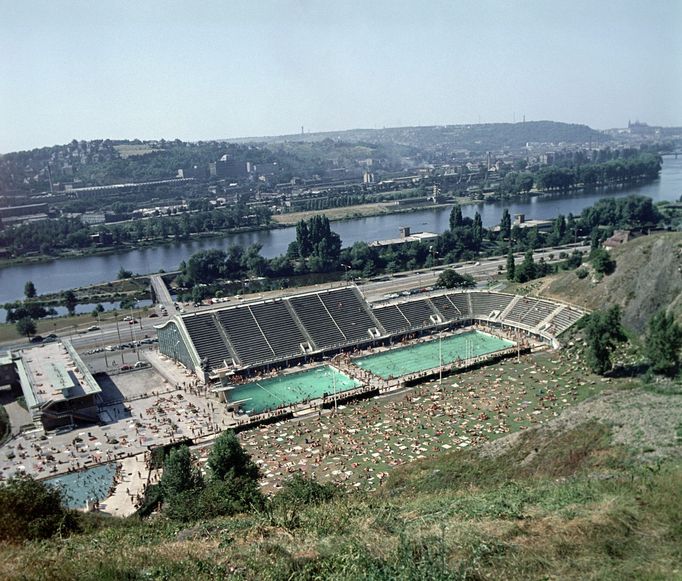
(101, 335)
(440, 358)
(334, 383)
(118, 332)
(348, 268)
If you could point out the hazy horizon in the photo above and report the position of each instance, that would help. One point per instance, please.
(153, 70)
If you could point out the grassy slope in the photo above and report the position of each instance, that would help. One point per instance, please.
(596, 492)
(569, 499)
(648, 276)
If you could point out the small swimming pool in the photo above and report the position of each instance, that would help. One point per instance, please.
(79, 487)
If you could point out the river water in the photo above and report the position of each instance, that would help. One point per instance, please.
(75, 272)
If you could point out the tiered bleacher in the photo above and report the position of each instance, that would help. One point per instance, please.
(530, 311)
(245, 335)
(391, 319)
(487, 304)
(417, 312)
(317, 321)
(279, 327)
(349, 312)
(207, 339)
(564, 319)
(445, 307)
(461, 303)
(270, 331)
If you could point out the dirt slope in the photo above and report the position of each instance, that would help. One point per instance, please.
(648, 276)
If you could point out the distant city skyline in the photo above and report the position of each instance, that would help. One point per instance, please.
(74, 69)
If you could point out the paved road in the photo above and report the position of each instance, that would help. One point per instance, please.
(483, 271)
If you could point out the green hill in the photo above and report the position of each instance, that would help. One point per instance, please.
(596, 494)
(648, 277)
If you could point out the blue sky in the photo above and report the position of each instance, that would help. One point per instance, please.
(217, 69)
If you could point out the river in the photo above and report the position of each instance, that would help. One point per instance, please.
(75, 272)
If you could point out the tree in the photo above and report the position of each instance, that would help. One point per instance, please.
(477, 231)
(233, 485)
(228, 459)
(526, 271)
(511, 265)
(505, 224)
(70, 301)
(98, 309)
(450, 278)
(26, 326)
(123, 273)
(603, 332)
(180, 484)
(455, 217)
(663, 343)
(30, 290)
(602, 261)
(30, 509)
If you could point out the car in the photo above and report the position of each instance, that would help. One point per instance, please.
(126, 367)
(52, 336)
(153, 315)
(37, 339)
(127, 318)
(140, 364)
(93, 328)
(132, 321)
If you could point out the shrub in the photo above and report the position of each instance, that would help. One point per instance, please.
(30, 509)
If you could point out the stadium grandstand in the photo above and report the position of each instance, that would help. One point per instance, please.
(302, 327)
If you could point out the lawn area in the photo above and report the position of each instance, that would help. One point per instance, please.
(366, 439)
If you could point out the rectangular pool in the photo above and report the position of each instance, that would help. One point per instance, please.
(275, 392)
(415, 358)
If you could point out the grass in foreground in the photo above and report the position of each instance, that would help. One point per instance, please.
(564, 504)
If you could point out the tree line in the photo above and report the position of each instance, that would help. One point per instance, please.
(49, 237)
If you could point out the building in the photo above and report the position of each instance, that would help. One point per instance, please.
(521, 222)
(231, 169)
(58, 388)
(406, 236)
(619, 238)
(239, 339)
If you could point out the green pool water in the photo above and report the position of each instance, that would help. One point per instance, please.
(415, 358)
(289, 389)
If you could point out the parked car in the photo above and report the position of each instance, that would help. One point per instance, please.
(153, 315)
(37, 339)
(126, 367)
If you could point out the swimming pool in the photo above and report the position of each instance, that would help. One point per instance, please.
(79, 487)
(415, 358)
(292, 388)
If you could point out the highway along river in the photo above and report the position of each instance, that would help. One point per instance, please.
(68, 273)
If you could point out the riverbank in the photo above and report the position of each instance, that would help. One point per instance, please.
(58, 275)
(345, 213)
(363, 211)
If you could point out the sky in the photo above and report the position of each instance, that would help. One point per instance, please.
(209, 69)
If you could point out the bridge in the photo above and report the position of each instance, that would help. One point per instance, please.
(163, 297)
